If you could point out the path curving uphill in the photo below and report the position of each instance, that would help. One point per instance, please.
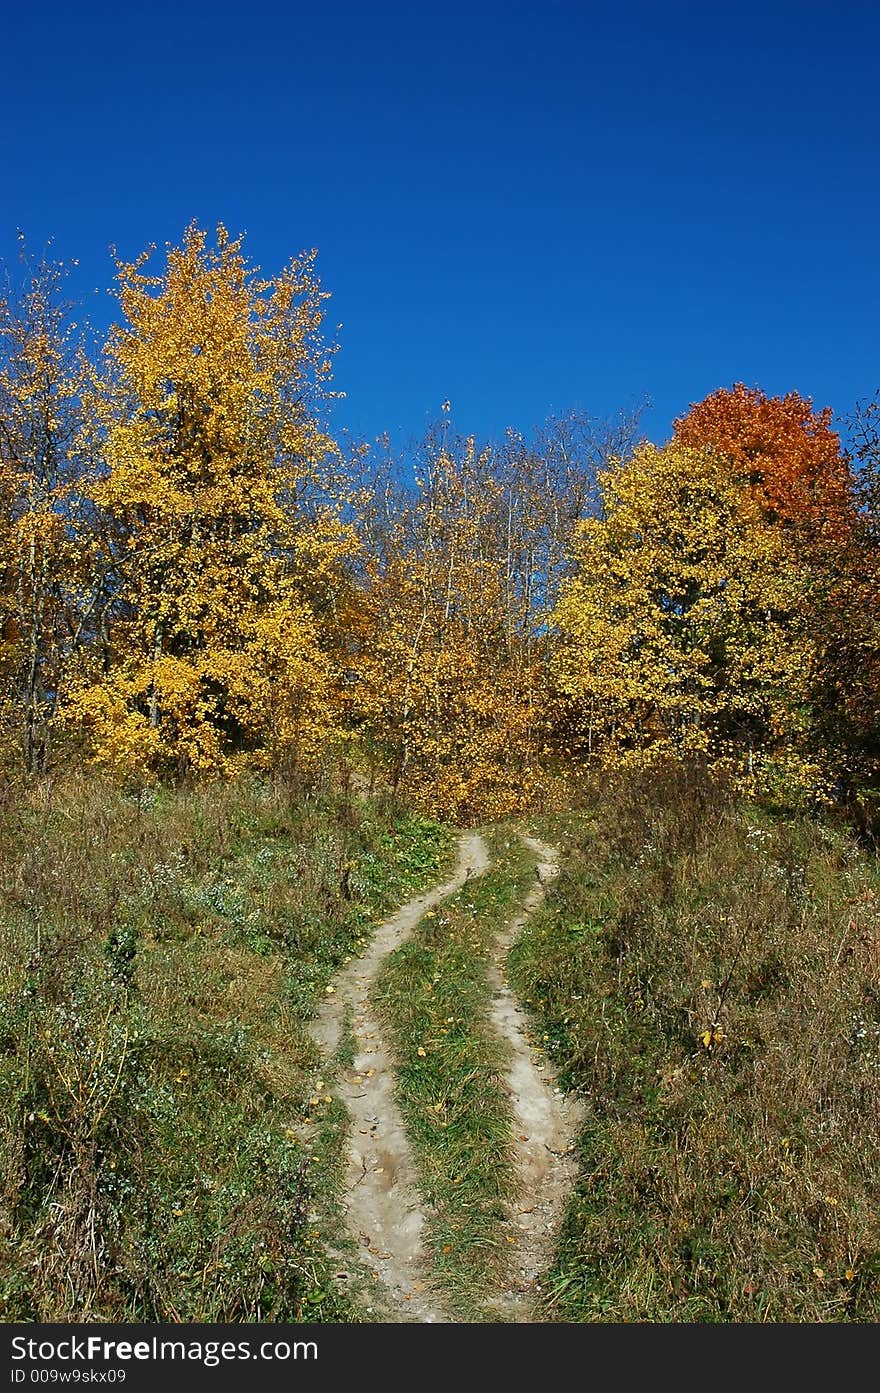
(546, 1121)
(383, 1208)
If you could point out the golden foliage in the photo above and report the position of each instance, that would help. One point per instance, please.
(44, 542)
(682, 628)
(221, 534)
(193, 579)
(448, 682)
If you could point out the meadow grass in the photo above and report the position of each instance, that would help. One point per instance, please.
(707, 976)
(160, 955)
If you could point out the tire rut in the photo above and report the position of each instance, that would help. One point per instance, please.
(383, 1208)
(546, 1121)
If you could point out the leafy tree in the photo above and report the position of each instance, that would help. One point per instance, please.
(786, 451)
(221, 532)
(44, 538)
(792, 461)
(682, 630)
(460, 570)
(438, 690)
(853, 633)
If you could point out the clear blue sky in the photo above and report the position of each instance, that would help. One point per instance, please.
(520, 207)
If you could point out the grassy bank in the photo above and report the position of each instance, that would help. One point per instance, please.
(710, 978)
(159, 955)
(434, 1000)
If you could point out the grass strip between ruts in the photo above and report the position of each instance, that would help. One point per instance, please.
(433, 998)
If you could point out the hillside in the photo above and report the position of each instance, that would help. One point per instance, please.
(700, 979)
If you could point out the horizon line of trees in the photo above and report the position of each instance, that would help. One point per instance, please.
(196, 579)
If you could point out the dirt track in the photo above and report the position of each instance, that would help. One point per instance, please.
(384, 1211)
(383, 1207)
(546, 1120)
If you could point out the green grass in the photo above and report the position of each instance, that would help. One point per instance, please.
(434, 1000)
(160, 956)
(708, 976)
(705, 974)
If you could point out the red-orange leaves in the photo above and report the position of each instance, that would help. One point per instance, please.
(783, 449)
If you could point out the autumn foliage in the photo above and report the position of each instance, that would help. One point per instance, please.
(195, 578)
(446, 684)
(792, 461)
(45, 536)
(682, 626)
(785, 451)
(213, 523)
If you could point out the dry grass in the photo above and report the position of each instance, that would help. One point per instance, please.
(709, 977)
(159, 956)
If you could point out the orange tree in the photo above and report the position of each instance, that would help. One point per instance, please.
(784, 450)
(792, 462)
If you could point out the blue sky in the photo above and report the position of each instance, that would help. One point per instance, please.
(520, 207)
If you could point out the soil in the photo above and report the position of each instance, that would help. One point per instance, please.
(384, 1211)
(546, 1120)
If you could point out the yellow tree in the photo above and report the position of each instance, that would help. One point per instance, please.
(683, 628)
(461, 571)
(224, 542)
(794, 465)
(441, 690)
(43, 537)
